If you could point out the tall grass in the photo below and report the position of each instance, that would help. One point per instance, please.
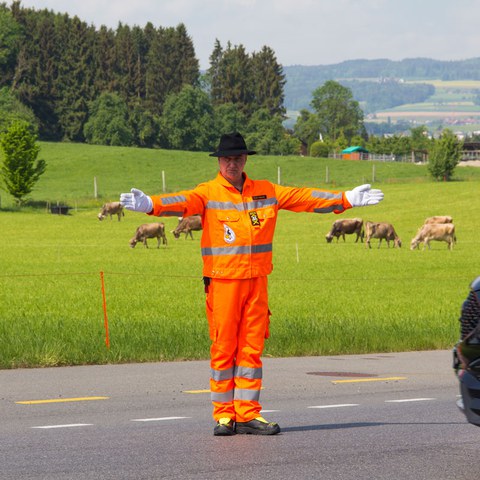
(325, 298)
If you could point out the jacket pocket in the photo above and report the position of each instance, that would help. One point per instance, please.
(266, 213)
(228, 217)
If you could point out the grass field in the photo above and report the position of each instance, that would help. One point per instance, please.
(325, 298)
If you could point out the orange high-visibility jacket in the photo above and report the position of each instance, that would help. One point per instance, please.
(238, 227)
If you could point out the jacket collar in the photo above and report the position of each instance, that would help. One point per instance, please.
(223, 181)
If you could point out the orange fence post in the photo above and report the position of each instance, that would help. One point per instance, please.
(105, 317)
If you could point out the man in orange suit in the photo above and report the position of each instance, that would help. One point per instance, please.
(238, 218)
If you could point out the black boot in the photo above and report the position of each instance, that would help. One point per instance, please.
(258, 426)
(224, 428)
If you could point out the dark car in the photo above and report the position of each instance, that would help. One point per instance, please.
(466, 355)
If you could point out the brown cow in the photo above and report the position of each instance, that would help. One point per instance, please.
(346, 226)
(441, 232)
(438, 219)
(187, 225)
(382, 231)
(149, 230)
(112, 208)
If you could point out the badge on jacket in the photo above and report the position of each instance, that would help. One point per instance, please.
(254, 219)
(228, 234)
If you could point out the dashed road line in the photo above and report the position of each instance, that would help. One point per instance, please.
(409, 400)
(61, 400)
(339, 405)
(160, 419)
(362, 380)
(71, 425)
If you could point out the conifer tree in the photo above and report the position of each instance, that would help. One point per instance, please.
(268, 81)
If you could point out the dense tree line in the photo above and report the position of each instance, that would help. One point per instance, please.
(120, 86)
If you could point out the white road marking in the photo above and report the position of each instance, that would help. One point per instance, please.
(409, 400)
(157, 419)
(340, 405)
(66, 426)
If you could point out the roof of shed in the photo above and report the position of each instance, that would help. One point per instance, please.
(355, 149)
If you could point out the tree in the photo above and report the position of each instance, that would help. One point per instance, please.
(444, 156)
(266, 135)
(20, 169)
(108, 122)
(10, 35)
(337, 111)
(268, 81)
(227, 118)
(188, 120)
(307, 128)
(13, 109)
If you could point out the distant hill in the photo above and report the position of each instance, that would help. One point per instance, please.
(389, 89)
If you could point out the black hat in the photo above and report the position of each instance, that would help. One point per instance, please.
(231, 144)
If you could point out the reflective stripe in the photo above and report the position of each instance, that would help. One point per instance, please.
(246, 249)
(248, 372)
(244, 394)
(326, 195)
(222, 397)
(174, 199)
(224, 206)
(219, 375)
(240, 207)
(172, 213)
(332, 208)
(261, 203)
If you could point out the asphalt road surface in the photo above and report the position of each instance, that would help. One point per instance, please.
(362, 417)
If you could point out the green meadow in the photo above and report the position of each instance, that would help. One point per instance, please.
(326, 299)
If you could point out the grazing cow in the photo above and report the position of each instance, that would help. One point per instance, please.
(438, 219)
(112, 208)
(187, 225)
(382, 231)
(149, 230)
(346, 226)
(442, 232)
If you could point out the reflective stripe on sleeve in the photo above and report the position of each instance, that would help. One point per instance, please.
(219, 375)
(248, 372)
(174, 199)
(224, 397)
(330, 209)
(326, 195)
(172, 213)
(244, 394)
(246, 249)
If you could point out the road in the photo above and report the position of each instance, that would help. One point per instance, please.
(362, 417)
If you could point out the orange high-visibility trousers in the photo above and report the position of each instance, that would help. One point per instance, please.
(238, 317)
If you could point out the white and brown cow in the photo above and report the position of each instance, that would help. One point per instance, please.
(111, 208)
(382, 231)
(149, 230)
(347, 226)
(441, 232)
(438, 219)
(187, 225)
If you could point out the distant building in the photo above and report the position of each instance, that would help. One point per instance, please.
(355, 153)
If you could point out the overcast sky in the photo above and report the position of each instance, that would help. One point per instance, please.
(302, 32)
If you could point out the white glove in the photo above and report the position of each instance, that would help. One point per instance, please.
(136, 201)
(364, 195)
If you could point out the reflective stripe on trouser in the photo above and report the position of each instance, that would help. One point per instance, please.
(238, 316)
